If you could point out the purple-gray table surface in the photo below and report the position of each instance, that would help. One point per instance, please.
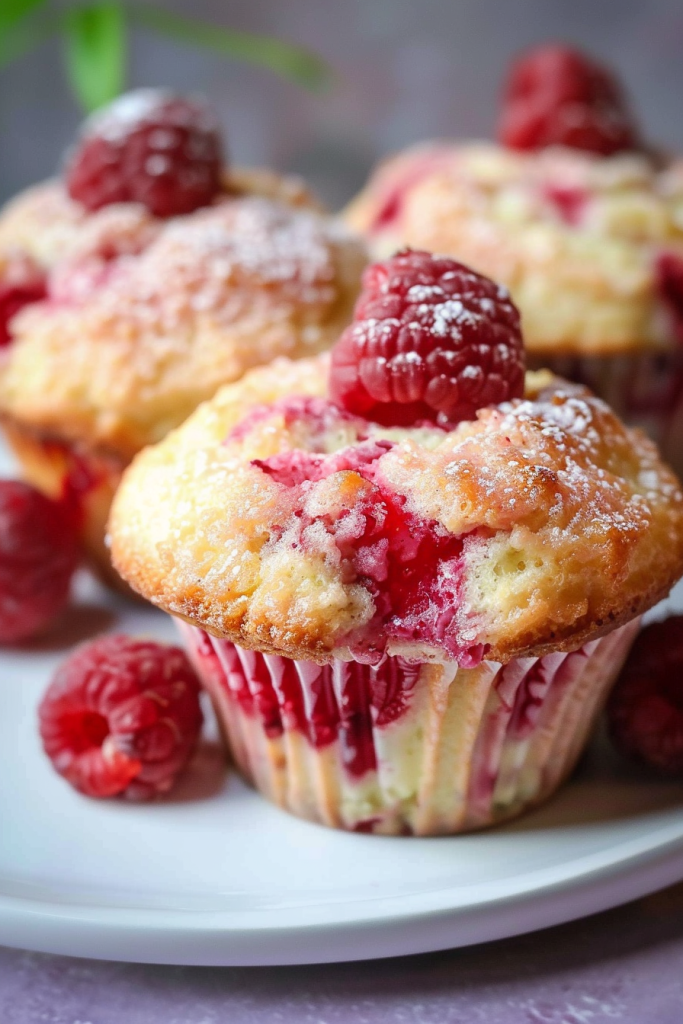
(624, 965)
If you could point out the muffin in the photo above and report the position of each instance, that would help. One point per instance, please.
(153, 292)
(405, 627)
(576, 216)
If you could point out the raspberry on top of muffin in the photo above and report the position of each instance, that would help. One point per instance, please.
(165, 274)
(570, 210)
(159, 151)
(150, 274)
(319, 527)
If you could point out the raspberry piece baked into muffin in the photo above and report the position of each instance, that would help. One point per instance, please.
(405, 626)
(573, 214)
(161, 275)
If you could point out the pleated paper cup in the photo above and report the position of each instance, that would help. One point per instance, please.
(405, 748)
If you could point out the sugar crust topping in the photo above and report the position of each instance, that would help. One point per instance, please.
(146, 318)
(291, 527)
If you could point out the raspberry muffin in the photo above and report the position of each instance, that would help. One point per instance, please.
(408, 587)
(149, 276)
(579, 220)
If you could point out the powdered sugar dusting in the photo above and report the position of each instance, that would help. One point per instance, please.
(194, 262)
(132, 108)
(450, 314)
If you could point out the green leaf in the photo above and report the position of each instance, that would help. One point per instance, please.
(95, 52)
(12, 11)
(292, 62)
(20, 32)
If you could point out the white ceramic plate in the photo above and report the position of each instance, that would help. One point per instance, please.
(215, 875)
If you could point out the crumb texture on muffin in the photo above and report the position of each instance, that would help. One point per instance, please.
(46, 225)
(577, 237)
(276, 520)
(146, 318)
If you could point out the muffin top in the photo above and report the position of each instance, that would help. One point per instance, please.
(285, 523)
(590, 246)
(152, 272)
(144, 318)
(45, 225)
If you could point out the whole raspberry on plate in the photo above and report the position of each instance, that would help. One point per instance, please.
(38, 555)
(556, 96)
(430, 340)
(121, 717)
(150, 147)
(645, 710)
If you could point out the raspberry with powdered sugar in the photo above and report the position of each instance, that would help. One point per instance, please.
(151, 147)
(431, 340)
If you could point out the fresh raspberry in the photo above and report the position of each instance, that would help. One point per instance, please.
(556, 96)
(645, 709)
(431, 340)
(121, 717)
(149, 147)
(38, 556)
(18, 289)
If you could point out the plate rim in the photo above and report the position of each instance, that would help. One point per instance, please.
(211, 938)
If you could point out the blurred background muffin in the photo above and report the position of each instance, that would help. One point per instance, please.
(140, 280)
(403, 71)
(576, 214)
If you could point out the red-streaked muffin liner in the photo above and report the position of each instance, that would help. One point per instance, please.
(405, 748)
(644, 390)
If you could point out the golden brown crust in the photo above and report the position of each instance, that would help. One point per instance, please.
(127, 347)
(570, 524)
(574, 236)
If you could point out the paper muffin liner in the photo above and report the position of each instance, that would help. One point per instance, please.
(403, 748)
(645, 390)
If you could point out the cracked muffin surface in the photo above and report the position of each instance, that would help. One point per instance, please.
(278, 521)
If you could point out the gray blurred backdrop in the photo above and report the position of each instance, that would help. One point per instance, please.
(406, 70)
